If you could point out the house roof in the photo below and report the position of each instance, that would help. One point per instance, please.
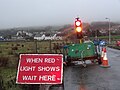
(47, 34)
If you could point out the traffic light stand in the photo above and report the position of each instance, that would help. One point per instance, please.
(80, 41)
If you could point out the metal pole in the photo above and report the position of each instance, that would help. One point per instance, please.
(80, 41)
(109, 31)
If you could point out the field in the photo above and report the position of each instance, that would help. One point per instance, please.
(9, 58)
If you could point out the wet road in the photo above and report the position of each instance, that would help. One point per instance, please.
(94, 77)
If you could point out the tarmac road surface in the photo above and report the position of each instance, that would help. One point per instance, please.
(93, 77)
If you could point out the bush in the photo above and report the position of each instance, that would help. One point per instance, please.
(1, 83)
(3, 61)
(12, 45)
(22, 45)
(18, 44)
(14, 48)
(10, 53)
(16, 54)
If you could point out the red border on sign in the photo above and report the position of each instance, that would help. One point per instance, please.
(18, 72)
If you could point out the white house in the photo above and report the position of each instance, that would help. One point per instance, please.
(57, 37)
(39, 37)
(23, 32)
(48, 37)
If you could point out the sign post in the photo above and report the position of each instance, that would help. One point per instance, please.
(40, 69)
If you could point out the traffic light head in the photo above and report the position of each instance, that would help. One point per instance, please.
(78, 28)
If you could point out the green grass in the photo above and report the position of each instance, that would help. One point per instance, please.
(112, 37)
(114, 46)
(9, 72)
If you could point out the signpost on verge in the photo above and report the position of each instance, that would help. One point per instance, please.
(40, 69)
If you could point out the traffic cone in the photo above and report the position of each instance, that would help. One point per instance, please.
(105, 59)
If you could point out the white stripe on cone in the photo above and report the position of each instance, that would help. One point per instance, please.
(102, 54)
(105, 56)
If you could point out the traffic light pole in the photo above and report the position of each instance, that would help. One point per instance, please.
(81, 41)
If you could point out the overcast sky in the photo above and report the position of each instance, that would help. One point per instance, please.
(24, 13)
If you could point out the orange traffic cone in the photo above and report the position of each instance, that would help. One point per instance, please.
(105, 59)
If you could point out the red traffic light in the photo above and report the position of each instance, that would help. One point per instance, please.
(77, 23)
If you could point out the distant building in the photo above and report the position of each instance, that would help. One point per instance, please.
(115, 28)
(1, 38)
(23, 33)
(48, 36)
(57, 37)
(17, 38)
(39, 37)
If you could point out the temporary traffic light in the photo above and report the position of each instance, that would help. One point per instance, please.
(78, 28)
